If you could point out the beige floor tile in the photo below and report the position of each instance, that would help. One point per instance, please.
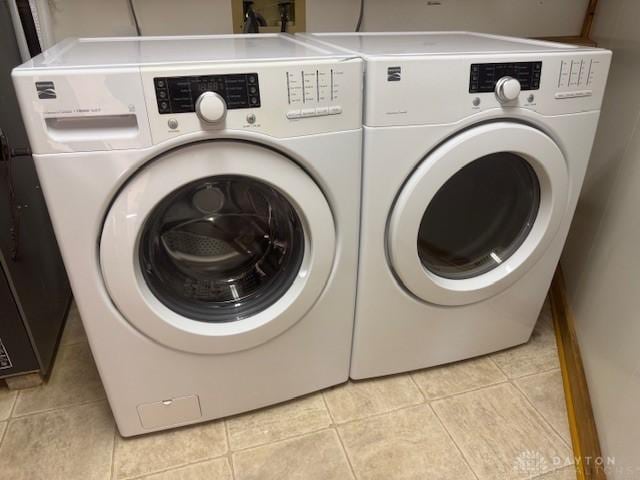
(74, 380)
(546, 393)
(566, 473)
(495, 427)
(317, 456)
(360, 399)
(538, 355)
(3, 426)
(217, 469)
(458, 377)
(73, 330)
(405, 444)
(303, 415)
(7, 399)
(159, 451)
(72, 443)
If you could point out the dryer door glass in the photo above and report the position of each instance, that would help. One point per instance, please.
(222, 248)
(479, 217)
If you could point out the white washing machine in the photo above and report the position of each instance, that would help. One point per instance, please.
(205, 193)
(475, 149)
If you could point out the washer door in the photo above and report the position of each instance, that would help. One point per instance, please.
(217, 247)
(477, 213)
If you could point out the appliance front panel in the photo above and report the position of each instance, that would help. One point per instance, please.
(280, 99)
(412, 90)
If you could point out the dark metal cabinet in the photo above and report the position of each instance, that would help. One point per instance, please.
(34, 290)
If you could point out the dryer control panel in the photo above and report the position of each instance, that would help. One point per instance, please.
(484, 76)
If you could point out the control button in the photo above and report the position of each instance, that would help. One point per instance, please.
(322, 111)
(476, 101)
(335, 110)
(172, 123)
(211, 107)
(294, 114)
(251, 79)
(531, 98)
(253, 100)
(574, 94)
(162, 94)
(251, 118)
(160, 83)
(308, 112)
(163, 107)
(253, 90)
(507, 89)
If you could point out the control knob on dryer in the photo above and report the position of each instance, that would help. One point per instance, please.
(211, 107)
(507, 89)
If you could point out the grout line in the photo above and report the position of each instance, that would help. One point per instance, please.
(175, 467)
(113, 452)
(345, 453)
(13, 407)
(471, 390)
(334, 426)
(326, 405)
(536, 373)
(229, 454)
(544, 419)
(422, 394)
(379, 414)
(455, 444)
(280, 440)
(60, 407)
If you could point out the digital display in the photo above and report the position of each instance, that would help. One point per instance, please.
(179, 94)
(484, 76)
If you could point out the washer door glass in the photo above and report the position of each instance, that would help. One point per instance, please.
(479, 217)
(222, 248)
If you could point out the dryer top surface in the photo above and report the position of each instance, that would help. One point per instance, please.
(434, 43)
(135, 51)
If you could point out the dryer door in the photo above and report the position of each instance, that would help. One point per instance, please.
(217, 247)
(477, 213)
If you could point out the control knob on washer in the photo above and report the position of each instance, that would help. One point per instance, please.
(507, 89)
(211, 107)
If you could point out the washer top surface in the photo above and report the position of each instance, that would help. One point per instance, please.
(434, 43)
(134, 51)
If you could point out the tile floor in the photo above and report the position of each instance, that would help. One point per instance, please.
(497, 417)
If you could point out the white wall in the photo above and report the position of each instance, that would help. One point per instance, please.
(601, 261)
(534, 18)
(95, 18)
(156, 17)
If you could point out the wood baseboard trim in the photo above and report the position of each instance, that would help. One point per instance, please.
(584, 434)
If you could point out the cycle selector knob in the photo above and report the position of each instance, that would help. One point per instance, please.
(211, 107)
(507, 89)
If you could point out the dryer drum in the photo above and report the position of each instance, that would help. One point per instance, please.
(227, 261)
(479, 217)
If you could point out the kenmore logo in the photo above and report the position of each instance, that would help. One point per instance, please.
(393, 74)
(45, 90)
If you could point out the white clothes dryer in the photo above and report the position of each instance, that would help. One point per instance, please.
(205, 194)
(475, 149)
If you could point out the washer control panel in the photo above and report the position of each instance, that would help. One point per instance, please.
(484, 76)
(277, 98)
(180, 94)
